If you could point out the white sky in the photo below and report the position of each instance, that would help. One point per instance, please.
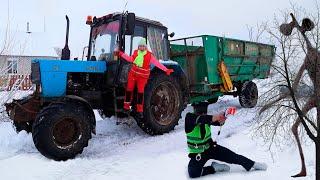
(223, 18)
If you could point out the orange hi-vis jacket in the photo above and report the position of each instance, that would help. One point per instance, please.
(149, 59)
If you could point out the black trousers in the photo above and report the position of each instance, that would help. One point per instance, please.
(217, 152)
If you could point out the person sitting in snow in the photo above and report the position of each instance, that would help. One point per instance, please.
(201, 147)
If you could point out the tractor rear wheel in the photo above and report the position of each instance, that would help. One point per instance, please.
(248, 95)
(62, 130)
(163, 104)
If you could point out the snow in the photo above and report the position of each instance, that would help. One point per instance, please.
(167, 62)
(126, 152)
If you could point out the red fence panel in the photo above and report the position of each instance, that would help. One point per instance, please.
(26, 83)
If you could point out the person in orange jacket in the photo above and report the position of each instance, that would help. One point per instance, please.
(139, 73)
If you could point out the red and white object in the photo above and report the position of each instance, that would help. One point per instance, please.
(230, 111)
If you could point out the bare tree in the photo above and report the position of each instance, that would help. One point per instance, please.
(256, 32)
(7, 40)
(58, 51)
(290, 102)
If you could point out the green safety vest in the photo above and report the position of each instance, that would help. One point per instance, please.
(139, 59)
(196, 144)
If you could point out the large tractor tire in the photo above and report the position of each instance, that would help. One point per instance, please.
(248, 95)
(163, 104)
(62, 130)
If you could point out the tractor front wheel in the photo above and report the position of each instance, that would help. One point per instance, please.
(62, 130)
(248, 95)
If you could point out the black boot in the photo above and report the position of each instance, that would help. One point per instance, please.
(139, 105)
(127, 102)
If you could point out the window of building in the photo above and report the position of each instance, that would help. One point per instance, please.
(12, 65)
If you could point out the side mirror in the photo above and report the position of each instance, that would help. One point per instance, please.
(131, 22)
(307, 24)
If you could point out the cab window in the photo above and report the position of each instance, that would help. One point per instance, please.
(157, 42)
(133, 41)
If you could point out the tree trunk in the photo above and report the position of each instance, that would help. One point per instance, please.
(317, 163)
(317, 93)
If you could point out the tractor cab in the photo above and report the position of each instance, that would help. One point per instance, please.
(124, 30)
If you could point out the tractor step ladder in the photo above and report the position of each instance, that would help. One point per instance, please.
(116, 99)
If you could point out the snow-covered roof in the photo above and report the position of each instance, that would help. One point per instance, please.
(28, 44)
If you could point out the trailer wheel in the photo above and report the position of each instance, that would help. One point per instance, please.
(20, 126)
(62, 130)
(248, 96)
(163, 104)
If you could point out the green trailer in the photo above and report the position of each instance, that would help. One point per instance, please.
(200, 57)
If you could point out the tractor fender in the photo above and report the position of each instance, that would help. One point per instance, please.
(85, 103)
(179, 75)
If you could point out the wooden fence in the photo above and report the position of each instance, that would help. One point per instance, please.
(9, 81)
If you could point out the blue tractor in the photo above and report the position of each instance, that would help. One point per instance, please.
(60, 111)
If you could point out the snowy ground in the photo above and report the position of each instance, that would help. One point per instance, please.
(123, 152)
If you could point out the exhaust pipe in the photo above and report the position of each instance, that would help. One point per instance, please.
(66, 51)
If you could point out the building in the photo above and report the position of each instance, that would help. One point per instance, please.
(19, 64)
(15, 62)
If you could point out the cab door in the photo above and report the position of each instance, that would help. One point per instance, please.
(131, 44)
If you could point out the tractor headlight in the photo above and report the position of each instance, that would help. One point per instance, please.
(35, 73)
